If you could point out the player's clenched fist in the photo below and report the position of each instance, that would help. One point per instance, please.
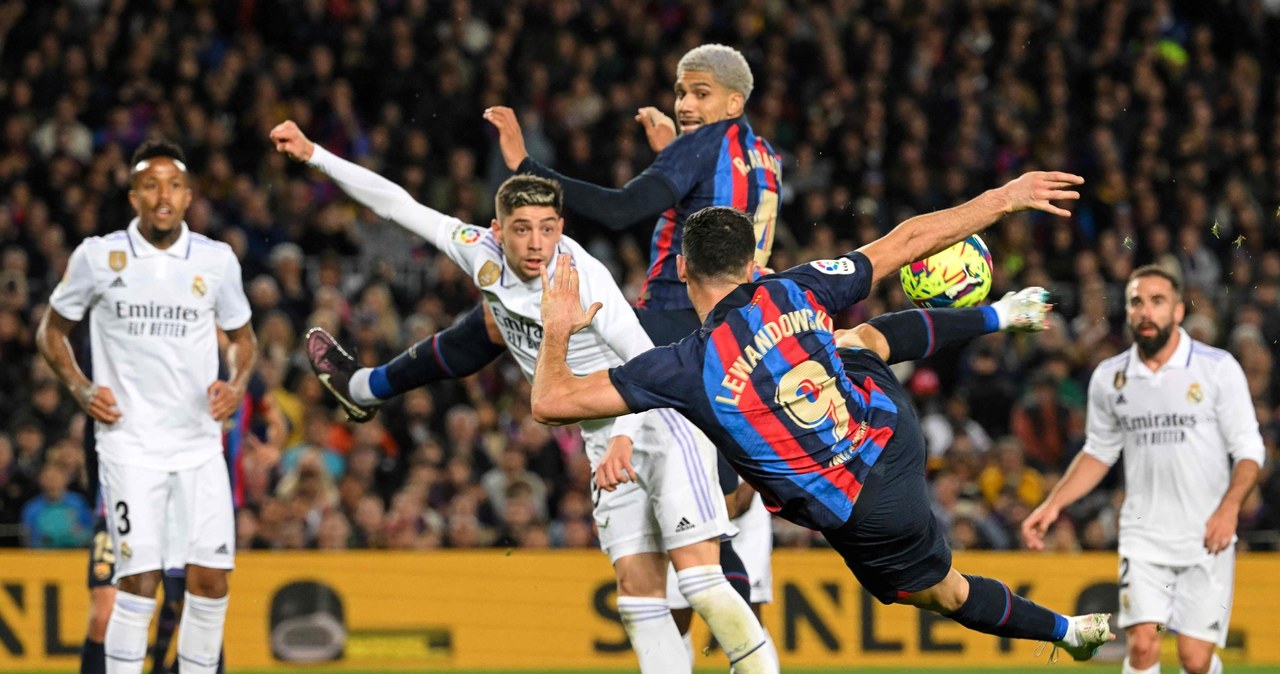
(289, 140)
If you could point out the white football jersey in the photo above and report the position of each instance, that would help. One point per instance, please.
(614, 337)
(1181, 428)
(152, 317)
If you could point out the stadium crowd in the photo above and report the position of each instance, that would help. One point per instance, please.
(881, 110)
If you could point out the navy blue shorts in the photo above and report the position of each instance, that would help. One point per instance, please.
(892, 542)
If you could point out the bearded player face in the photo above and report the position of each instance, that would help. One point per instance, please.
(1154, 310)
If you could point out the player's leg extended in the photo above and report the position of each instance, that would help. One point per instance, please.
(1197, 656)
(471, 343)
(135, 501)
(205, 523)
(642, 603)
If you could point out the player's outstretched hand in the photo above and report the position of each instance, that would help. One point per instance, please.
(510, 137)
(1037, 525)
(615, 467)
(659, 129)
(223, 400)
(1037, 189)
(290, 141)
(1024, 311)
(562, 312)
(100, 403)
(1221, 528)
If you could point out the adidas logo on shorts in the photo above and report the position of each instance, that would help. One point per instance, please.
(222, 550)
(684, 525)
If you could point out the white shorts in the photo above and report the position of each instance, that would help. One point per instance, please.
(676, 500)
(165, 520)
(754, 545)
(1191, 600)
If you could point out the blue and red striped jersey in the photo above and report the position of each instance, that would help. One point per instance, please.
(800, 420)
(720, 164)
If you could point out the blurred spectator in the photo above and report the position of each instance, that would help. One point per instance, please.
(56, 518)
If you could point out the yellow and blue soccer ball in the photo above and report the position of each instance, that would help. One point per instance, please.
(959, 276)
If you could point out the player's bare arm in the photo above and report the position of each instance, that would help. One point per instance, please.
(1084, 473)
(1221, 527)
(510, 137)
(659, 129)
(52, 338)
(924, 235)
(289, 140)
(242, 353)
(559, 397)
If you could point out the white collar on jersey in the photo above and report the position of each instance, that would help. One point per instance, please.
(1180, 360)
(142, 248)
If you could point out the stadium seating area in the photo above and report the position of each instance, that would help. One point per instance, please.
(881, 109)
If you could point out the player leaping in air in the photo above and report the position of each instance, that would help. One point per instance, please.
(673, 509)
(812, 417)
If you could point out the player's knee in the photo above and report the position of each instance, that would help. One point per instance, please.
(1144, 648)
(203, 582)
(142, 584)
(1195, 661)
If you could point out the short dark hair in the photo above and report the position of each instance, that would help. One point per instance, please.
(528, 190)
(1162, 272)
(158, 148)
(718, 242)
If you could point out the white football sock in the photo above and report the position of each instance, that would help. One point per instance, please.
(653, 635)
(688, 645)
(126, 641)
(729, 617)
(361, 392)
(200, 633)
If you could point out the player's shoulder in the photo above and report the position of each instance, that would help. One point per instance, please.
(473, 236)
(203, 245)
(1110, 366)
(582, 259)
(116, 238)
(1204, 352)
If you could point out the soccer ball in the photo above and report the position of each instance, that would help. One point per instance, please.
(959, 276)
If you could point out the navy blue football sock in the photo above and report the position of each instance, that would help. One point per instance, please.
(457, 351)
(734, 570)
(918, 333)
(93, 659)
(993, 609)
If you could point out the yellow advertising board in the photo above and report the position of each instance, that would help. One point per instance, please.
(369, 611)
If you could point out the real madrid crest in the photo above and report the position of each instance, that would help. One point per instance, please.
(198, 287)
(117, 260)
(1194, 394)
(489, 272)
(1120, 380)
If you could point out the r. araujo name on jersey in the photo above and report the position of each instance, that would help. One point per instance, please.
(719, 164)
(152, 317)
(1180, 430)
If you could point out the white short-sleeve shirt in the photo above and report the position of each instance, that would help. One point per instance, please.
(152, 316)
(1181, 429)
